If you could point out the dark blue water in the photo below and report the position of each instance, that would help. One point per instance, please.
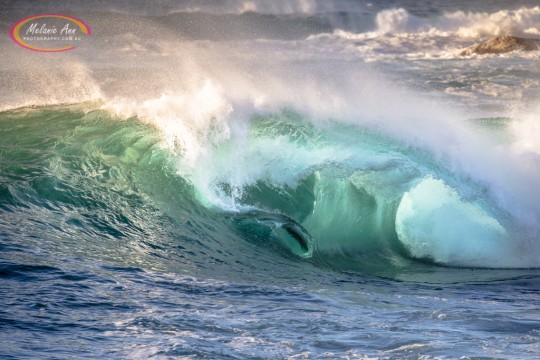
(89, 310)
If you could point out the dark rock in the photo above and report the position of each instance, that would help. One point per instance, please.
(503, 44)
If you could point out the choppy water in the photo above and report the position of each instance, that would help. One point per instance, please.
(271, 180)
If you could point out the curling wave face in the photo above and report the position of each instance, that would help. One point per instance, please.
(297, 145)
(335, 194)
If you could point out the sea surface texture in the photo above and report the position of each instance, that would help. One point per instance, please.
(271, 180)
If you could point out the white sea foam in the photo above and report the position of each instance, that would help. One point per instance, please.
(399, 34)
(461, 24)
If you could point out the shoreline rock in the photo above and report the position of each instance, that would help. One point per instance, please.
(502, 44)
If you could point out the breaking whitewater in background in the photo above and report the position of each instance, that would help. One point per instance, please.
(271, 180)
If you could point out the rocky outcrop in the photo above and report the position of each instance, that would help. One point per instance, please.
(503, 44)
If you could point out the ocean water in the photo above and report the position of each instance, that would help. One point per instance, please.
(271, 180)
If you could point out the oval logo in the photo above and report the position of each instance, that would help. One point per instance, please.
(49, 32)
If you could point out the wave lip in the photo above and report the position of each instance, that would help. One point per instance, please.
(275, 227)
